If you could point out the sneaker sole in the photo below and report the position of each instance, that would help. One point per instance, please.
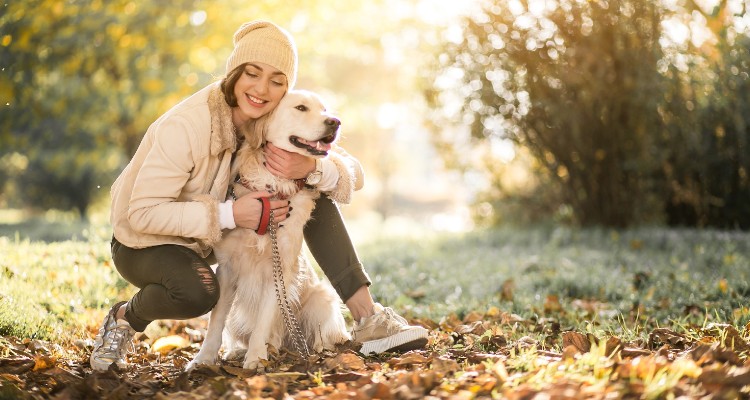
(403, 341)
(103, 366)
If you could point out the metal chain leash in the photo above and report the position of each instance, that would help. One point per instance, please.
(291, 322)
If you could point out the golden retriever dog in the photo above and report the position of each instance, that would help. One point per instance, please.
(248, 310)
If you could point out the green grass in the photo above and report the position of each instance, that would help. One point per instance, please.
(647, 277)
(55, 290)
(621, 282)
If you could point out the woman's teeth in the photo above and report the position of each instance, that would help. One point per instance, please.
(256, 100)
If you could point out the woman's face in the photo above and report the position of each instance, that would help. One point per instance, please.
(258, 91)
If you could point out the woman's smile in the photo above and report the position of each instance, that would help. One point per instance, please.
(254, 101)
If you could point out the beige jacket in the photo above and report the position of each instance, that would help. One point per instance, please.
(170, 190)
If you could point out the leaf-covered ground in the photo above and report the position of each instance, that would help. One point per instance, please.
(484, 355)
(514, 313)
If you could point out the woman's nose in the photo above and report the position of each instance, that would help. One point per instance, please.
(262, 87)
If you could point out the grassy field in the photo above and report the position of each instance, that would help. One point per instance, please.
(526, 284)
(648, 276)
(616, 279)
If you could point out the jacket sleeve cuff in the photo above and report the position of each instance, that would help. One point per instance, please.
(342, 192)
(330, 176)
(213, 234)
(226, 215)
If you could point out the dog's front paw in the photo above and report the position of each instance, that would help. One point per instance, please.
(235, 355)
(253, 364)
(200, 359)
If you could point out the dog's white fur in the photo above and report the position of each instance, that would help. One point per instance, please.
(247, 311)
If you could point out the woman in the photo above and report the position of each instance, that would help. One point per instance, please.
(169, 205)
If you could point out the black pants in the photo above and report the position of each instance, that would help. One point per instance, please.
(176, 283)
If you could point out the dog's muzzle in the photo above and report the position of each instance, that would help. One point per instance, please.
(321, 146)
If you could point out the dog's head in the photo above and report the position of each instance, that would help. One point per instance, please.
(301, 124)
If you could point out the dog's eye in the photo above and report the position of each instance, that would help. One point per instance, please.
(302, 107)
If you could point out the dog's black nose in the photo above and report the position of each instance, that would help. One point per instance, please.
(332, 122)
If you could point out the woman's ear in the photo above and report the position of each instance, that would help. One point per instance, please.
(255, 132)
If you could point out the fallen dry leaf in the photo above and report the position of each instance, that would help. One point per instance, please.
(473, 316)
(476, 327)
(43, 362)
(723, 376)
(661, 336)
(16, 365)
(613, 344)
(707, 354)
(166, 344)
(507, 289)
(467, 358)
(569, 352)
(444, 365)
(578, 340)
(410, 358)
(729, 336)
(552, 304)
(345, 361)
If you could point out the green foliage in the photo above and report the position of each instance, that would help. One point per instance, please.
(608, 108)
(77, 78)
(562, 83)
(80, 81)
(708, 163)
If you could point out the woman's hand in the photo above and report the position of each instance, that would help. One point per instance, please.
(287, 165)
(247, 210)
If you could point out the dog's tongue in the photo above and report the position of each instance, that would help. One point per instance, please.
(320, 145)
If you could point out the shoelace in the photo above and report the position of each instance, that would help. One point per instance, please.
(385, 317)
(390, 314)
(113, 340)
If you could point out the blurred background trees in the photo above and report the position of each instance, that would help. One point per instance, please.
(613, 113)
(80, 82)
(631, 111)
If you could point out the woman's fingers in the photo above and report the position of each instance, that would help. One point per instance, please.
(286, 164)
(281, 210)
(274, 167)
(276, 161)
(248, 211)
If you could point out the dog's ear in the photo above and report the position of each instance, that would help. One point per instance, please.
(255, 131)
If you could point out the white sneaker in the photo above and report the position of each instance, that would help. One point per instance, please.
(387, 331)
(114, 339)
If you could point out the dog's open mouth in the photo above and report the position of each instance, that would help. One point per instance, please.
(318, 147)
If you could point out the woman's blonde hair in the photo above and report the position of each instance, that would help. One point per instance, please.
(254, 131)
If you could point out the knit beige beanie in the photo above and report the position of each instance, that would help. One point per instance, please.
(265, 42)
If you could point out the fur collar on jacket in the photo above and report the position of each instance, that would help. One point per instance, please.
(223, 135)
